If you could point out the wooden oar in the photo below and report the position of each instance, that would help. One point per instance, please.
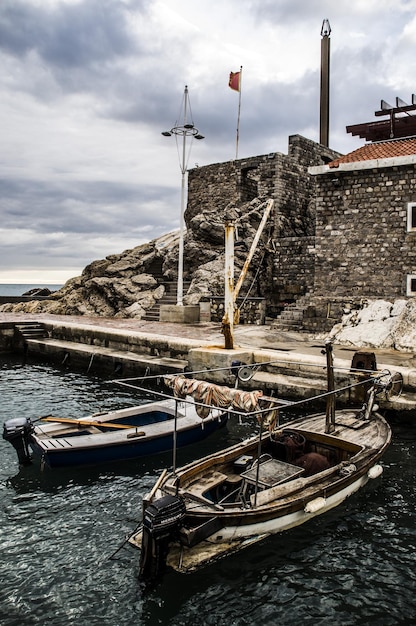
(67, 420)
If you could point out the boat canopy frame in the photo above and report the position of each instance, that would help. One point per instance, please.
(269, 415)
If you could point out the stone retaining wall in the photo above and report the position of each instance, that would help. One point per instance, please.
(252, 310)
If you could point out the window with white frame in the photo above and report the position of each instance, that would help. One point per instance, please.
(411, 217)
(411, 285)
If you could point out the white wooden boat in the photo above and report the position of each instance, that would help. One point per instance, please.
(267, 484)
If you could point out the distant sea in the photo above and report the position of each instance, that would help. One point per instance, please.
(20, 289)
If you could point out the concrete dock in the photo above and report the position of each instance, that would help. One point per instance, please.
(291, 364)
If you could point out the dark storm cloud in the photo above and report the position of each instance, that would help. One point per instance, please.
(81, 207)
(71, 224)
(67, 35)
(86, 47)
(71, 47)
(268, 115)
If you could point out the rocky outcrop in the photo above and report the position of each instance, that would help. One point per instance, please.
(204, 250)
(380, 324)
(121, 285)
(38, 292)
(129, 284)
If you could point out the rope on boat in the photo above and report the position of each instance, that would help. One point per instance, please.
(126, 541)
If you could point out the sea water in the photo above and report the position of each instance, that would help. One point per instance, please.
(19, 289)
(59, 529)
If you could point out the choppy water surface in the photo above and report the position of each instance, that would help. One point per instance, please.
(58, 529)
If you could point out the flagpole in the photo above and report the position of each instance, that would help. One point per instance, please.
(239, 109)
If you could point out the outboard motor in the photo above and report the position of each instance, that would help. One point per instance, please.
(17, 431)
(162, 519)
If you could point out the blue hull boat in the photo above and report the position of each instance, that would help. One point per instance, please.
(113, 436)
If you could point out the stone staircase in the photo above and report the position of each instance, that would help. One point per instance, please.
(291, 317)
(169, 297)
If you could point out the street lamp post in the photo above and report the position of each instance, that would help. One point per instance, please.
(187, 129)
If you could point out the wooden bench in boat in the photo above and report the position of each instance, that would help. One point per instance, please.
(205, 483)
(56, 444)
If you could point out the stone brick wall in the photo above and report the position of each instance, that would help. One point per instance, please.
(363, 249)
(252, 310)
(281, 177)
(308, 153)
(210, 186)
(294, 271)
(289, 269)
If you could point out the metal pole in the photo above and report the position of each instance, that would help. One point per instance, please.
(250, 255)
(239, 110)
(187, 129)
(256, 488)
(330, 403)
(179, 300)
(228, 319)
(175, 432)
(324, 113)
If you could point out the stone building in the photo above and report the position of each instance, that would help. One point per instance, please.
(344, 227)
(365, 245)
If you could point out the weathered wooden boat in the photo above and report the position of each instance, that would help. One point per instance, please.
(269, 483)
(111, 436)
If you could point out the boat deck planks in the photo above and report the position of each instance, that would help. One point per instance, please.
(348, 427)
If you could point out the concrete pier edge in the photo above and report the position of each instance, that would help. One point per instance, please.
(134, 347)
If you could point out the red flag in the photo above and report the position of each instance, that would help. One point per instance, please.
(234, 82)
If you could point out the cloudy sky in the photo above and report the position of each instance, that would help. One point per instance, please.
(87, 86)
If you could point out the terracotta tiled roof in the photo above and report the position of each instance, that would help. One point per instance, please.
(379, 150)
